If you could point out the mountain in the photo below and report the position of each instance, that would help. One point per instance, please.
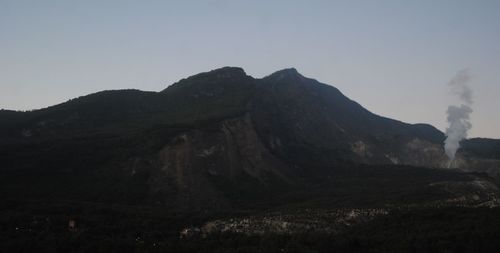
(312, 116)
(215, 139)
(223, 153)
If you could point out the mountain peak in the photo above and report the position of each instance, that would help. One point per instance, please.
(223, 74)
(236, 71)
(286, 74)
(290, 71)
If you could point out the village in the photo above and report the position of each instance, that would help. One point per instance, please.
(320, 221)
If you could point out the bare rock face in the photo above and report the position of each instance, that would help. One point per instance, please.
(423, 153)
(195, 165)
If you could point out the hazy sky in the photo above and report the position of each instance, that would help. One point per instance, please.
(393, 57)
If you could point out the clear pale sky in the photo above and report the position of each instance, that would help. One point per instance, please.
(393, 57)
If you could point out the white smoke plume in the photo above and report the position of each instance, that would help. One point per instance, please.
(458, 116)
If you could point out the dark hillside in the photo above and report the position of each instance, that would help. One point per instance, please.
(243, 156)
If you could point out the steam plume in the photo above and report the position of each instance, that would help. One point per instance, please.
(458, 116)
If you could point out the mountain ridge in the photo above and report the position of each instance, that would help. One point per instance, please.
(205, 85)
(212, 137)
